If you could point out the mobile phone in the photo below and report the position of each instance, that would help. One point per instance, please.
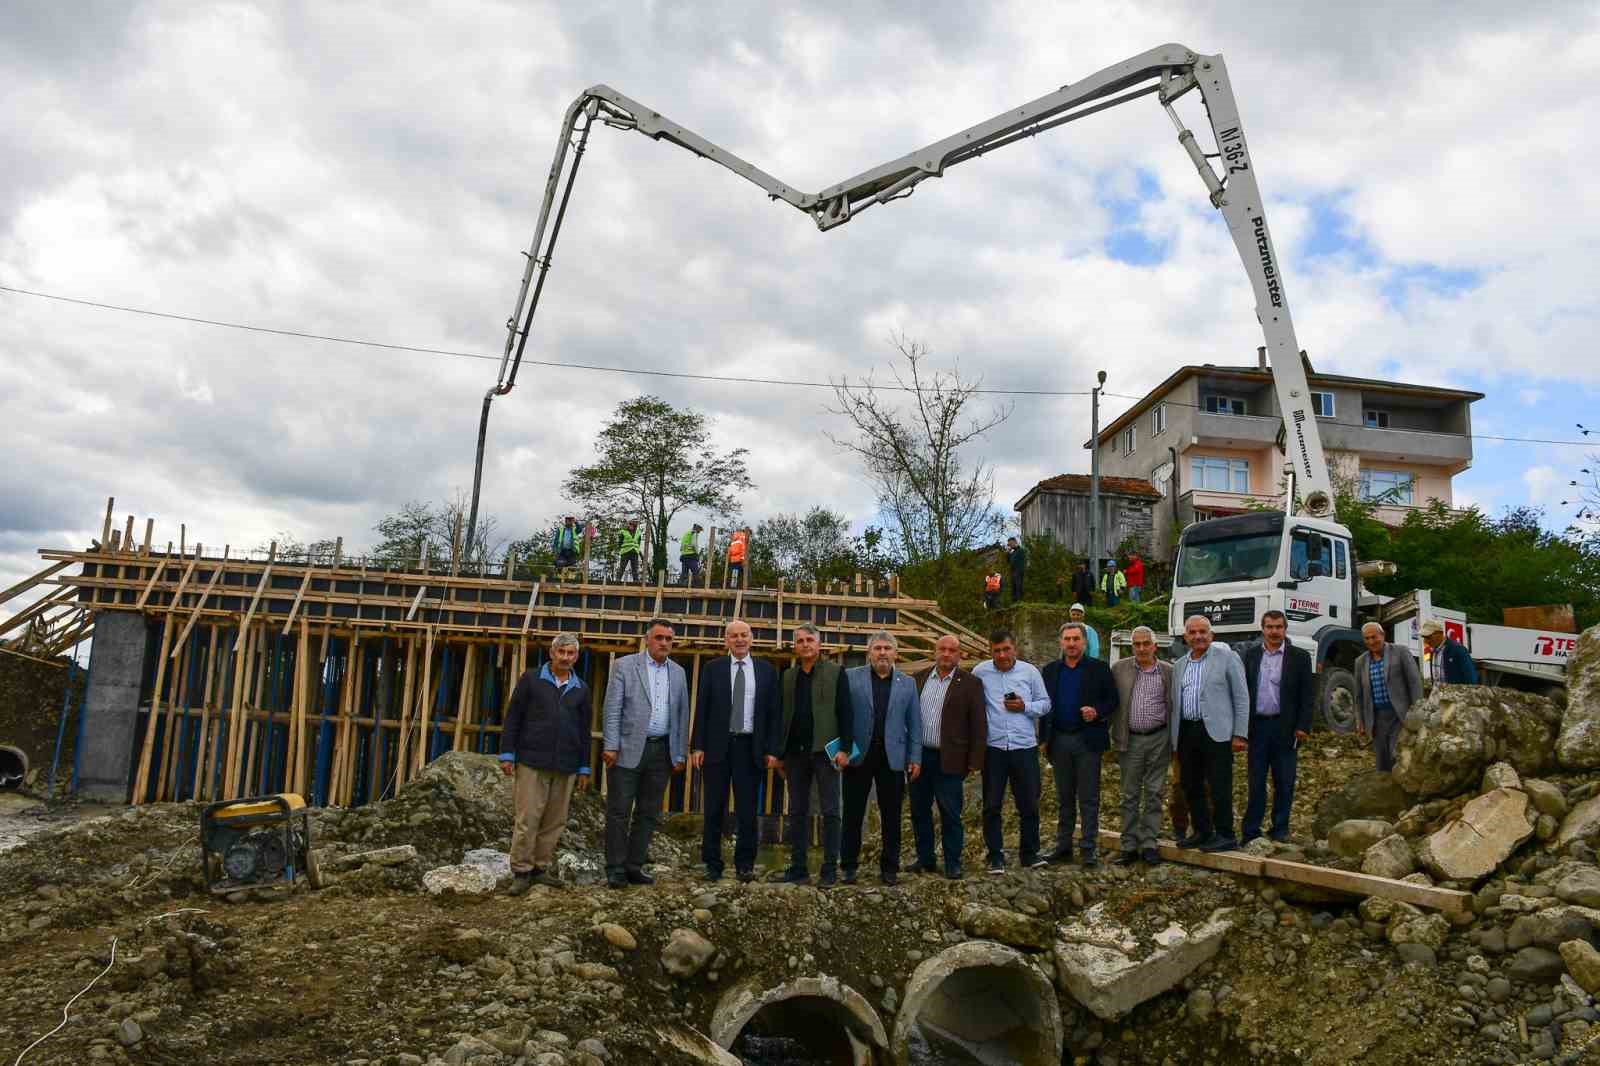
(1011, 695)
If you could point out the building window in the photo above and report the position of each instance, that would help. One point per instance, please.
(1389, 487)
(1223, 405)
(1376, 419)
(1158, 420)
(1322, 404)
(1221, 475)
(1127, 440)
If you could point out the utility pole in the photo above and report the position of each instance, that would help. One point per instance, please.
(1094, 478)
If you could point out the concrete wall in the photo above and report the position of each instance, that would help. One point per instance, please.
(111, 707)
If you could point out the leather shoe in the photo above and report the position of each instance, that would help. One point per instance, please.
(639, 877)
(1192, 840)
(713, 875)
(1279, 838)
(746, 876)
(1219, 843)
(922, 868)
(848, 877)
(1151, 856)
(520, 883)
(889, 877)
(1127, 858)
(616, 879)
(1089, 860)
(795, 877)
(828, 879)
(1062, 854)
(954, 874)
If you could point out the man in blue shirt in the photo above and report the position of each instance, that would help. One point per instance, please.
(1077, 732)
(1015, 698)
(1452, 664)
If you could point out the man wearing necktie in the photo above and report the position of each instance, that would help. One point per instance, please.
(737, 725)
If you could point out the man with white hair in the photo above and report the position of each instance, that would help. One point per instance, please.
(1144, 739)
(1387, 684)
(885, 721)
(1210, 721)
(1451, 664)
(737, 724)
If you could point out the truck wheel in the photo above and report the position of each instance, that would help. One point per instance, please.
(1336, 703)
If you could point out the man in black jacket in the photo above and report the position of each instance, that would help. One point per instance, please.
(1076, 734)
(1279, 677)
(544, 744)
(1083, 584)
(738, 723)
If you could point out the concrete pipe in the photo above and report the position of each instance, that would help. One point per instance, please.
(983, 1001)
(13, 766)
(829, 1019)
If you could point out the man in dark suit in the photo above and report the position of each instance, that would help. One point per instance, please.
(1075, 736)
(1279, 677)
(953, 725)
(737, 725)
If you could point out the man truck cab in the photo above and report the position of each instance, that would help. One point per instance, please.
(1233, 570)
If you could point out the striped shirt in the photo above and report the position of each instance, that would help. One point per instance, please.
(1148, 710)
(1194, 672)
(1380, 682)
(933, 693)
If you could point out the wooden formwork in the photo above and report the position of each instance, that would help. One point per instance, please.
(341, 680)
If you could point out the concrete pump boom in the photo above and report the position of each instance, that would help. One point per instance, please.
(1169, 71)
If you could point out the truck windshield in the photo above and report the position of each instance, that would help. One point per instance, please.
(1250, 557)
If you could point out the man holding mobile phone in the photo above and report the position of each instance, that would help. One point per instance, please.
(1015, 699)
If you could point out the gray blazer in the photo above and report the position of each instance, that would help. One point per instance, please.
(1402, 676)
(1123, 673)
(626, 713)
(1224, 694)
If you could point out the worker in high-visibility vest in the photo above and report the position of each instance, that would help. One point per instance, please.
(564, 546)
(738, 546)
(689, 555)
(630, 547)
(991, 590)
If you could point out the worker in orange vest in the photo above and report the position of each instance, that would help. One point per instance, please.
(991, 590)
(738, 546)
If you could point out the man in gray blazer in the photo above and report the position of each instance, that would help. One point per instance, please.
(646, 741)
(1142, 734)
(1387, 684)
(1210, 721)
(885, 717)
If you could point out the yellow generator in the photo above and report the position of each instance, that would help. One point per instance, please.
(257, 842)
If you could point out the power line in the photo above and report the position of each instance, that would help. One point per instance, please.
(597, 368)
(420, 350)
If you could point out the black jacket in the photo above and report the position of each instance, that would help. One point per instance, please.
(548, 728)
(714, 706)
(1082, 587)
(1294, 689)
(1097, 689)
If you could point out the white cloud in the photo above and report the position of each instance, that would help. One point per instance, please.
(357, 171)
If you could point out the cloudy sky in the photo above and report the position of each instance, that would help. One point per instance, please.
(374, 171)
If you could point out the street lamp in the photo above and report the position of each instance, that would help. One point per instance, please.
(1094, 477)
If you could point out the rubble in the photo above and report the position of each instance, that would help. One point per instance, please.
(1578, 746)
(1096, 960)
(1457, 731)
(1489, 829)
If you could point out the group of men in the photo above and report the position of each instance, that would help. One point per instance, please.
(1111, 584)
(847, 733)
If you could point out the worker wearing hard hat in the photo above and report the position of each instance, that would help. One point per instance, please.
(1451, 663)
(1075, 613)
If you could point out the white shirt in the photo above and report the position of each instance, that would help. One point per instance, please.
(747, 713)
(933, 693)
(660, 677)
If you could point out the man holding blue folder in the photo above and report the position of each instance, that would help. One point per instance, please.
(814, 743)
(887, 749)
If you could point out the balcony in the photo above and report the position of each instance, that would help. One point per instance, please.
(1213, 502)
(1453, 451)
(1236, 431)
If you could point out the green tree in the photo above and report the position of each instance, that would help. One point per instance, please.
(402, 534)
(654, 461)
(815, 546)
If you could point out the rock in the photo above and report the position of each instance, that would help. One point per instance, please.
(1547, 798)
(1428, 929)
(474, 777)
(1490, 828)
(617, 936)
(1390, 857)
(1103, 978)
(508, 1039)
(398, 855)
(129, 1033)
(494, 861)
(1498, 989)
(1199, 1005)
(1552, 926)
(696, 1047)
(595, 1047)
(1462, 729)
(1350, 838)
(594, 971)
(1421, 954)
(1500, 775)
(1583, 963)
(686, 953)
(1581, 823)
(1008, 927)
(1535, 964)
(1369, 794)
(1546, 828)
(463, 879)
(471, 1050)
(1580, 886)
(1578, 746)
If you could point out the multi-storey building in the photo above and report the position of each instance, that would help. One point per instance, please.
(1207, 439)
